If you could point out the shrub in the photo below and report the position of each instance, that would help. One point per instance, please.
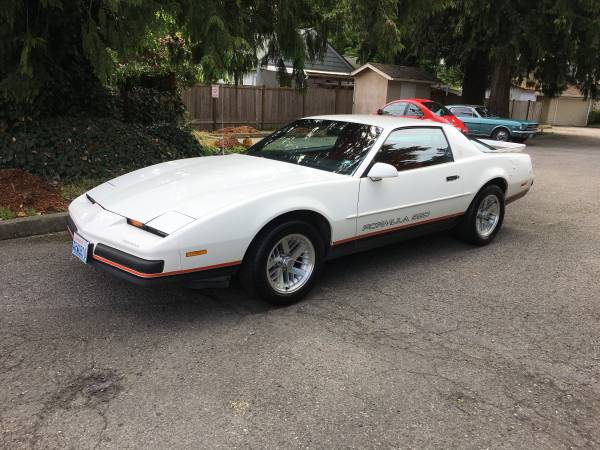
(152, 106)
(212, 146)
(227, 151)
(73, 148)
(594, 117)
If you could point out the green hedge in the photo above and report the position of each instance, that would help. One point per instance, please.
(152, 106)
(72, 148)
(594, 118)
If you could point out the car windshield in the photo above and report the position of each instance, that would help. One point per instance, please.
(483, 111)
(437, 109)
(329, 145)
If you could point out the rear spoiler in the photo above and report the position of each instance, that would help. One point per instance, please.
(504, 147)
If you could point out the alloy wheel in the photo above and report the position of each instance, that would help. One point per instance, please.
(290, 263)
(488, 215)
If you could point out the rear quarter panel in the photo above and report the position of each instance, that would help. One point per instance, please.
(514, 168)
(478, 168)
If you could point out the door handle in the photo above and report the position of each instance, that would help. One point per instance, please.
(452, 178)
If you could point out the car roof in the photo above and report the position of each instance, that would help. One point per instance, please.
(417, 100)
(464, 106)
(379, 121)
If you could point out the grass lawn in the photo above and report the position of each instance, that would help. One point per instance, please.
(70, 191)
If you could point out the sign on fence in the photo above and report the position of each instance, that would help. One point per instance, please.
(214, 91)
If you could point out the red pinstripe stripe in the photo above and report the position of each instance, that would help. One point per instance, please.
(162, 274)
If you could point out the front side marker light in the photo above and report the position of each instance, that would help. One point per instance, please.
(140, 225)
(196, 253)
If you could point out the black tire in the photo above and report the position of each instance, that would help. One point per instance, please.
(253, 274)
(467, 228)
(501, 134)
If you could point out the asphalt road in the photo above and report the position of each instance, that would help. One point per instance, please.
(427, 344)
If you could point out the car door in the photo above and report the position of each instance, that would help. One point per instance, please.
(429, 186)
(487, 123)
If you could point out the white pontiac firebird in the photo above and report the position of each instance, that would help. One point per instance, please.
(318, 188)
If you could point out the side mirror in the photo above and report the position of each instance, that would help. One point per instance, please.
(380, 112)
(382, 170)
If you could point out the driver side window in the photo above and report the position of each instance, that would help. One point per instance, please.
(412, 148)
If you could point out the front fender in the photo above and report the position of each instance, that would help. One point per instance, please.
(227, 234)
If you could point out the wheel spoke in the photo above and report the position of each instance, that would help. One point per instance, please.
(285, 245)
(297, 252)
(298, 271)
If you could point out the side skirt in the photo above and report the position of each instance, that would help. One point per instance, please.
(394, 236)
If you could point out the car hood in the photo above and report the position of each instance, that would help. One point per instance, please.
(512, 121)
(197, 187)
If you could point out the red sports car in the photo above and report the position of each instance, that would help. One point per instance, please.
(418, 108)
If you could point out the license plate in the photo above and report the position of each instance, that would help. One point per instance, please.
(80, 247)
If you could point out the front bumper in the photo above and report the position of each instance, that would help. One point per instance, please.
(144, 272)
(525, 133)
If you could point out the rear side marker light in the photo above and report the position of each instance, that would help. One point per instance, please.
(196, 253)
(140, 225)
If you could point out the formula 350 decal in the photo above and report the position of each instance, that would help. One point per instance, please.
(395, 221)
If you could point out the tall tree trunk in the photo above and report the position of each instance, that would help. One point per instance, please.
(475, 79)
(500, 89)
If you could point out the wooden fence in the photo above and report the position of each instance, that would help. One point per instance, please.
(261, 107)
(525, 110)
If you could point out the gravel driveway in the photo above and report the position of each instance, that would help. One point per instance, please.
(426, 344)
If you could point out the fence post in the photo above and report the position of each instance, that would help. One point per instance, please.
(262, 107)
(303, 94)
(512, 108)
(527, 113)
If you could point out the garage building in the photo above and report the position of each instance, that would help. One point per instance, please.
(570, 109)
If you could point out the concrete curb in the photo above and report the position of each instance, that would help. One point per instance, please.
(30, 226)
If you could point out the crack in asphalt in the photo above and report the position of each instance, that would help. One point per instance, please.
(92, 389)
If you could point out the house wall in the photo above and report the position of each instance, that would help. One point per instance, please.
(423, 91)
(395, 90)
(261, 77)
(370, 92)
(518, 94)
(402, 89)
